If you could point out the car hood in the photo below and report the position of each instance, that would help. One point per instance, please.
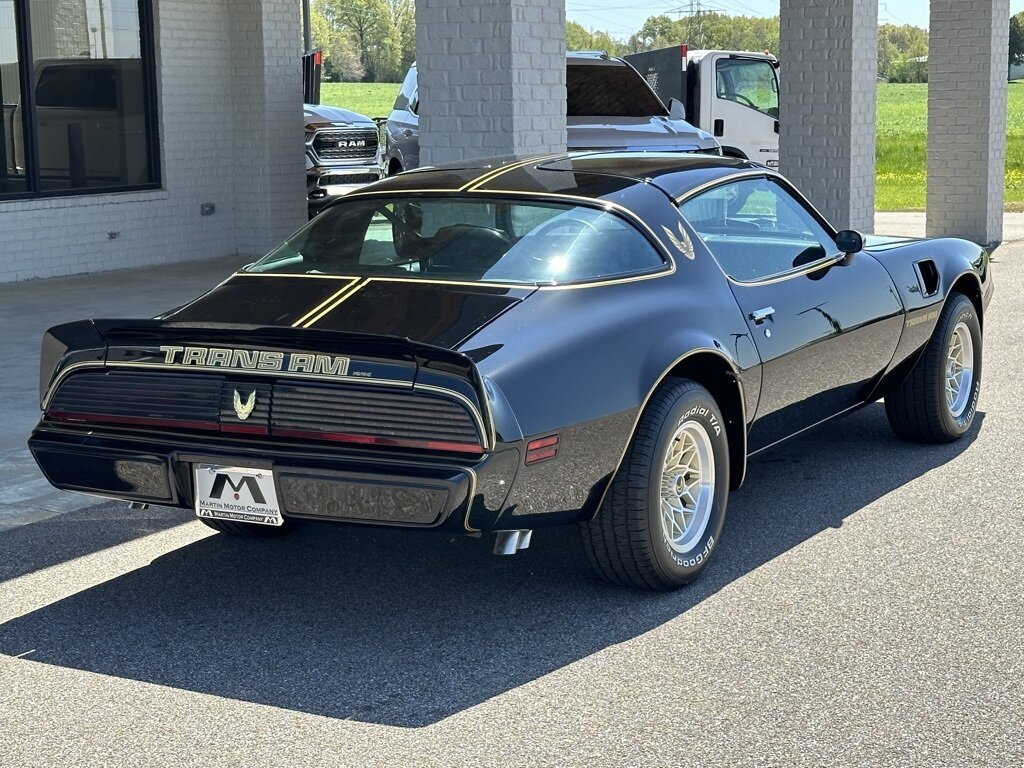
(319, 113)
(440, 314)
(637, 133)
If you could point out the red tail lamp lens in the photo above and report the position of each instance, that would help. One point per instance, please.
(539, 450)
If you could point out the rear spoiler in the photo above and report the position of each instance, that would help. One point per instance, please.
(250, 350)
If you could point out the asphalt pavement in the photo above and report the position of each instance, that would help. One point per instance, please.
(865, 608)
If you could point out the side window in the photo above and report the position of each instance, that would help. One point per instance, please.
(756, 229)
(750, 83)
(407, 93)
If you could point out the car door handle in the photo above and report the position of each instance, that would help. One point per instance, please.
(760, 315)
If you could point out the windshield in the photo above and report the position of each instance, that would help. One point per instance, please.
(465, 239)
(609, 91)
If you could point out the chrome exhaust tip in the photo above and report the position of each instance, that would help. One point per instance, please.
(510, 542)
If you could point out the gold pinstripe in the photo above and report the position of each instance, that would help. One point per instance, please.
(328, 300)
(494, 173)
(316, 315)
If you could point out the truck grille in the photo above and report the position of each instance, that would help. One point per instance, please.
(346, 144)
(345, 178)
(360, 415)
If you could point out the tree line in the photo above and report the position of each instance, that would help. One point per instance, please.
(364, 40)
(375, 40)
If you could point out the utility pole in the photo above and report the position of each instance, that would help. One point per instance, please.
(103, 29)
(307, 28)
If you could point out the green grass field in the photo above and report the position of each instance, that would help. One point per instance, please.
(370, 99)
(902, 137)
(903, 140)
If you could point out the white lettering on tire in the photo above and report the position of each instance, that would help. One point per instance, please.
(705, 413)
(691, 562)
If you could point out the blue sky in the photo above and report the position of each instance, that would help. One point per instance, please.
(622, 18)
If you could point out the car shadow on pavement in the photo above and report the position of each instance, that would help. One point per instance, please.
(404, 629)
(61, 538)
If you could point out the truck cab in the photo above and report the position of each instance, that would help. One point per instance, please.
(732, 94)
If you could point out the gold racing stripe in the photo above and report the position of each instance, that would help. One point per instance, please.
(500, 171)
(352, 282)
(337, 300)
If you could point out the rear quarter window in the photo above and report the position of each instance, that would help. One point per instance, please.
(609, 91)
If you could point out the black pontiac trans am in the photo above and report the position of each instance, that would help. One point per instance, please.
(596, 339)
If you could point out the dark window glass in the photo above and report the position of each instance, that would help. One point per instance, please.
(755, 229)
(486, 241)
(91, 120)
(64, 86)
(12, 139)
(408, 90)
(609, 91)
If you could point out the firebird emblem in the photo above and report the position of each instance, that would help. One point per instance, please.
(681, 241)
(242, 410)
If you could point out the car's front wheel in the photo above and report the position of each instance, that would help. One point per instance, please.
(662, 516)
(937, 402)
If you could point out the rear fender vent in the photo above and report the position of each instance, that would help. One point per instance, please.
(928, 277)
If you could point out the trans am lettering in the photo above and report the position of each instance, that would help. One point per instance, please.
(255, 360)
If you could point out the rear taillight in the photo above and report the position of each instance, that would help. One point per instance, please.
(541, 449)
(394, 442)
(147, 421)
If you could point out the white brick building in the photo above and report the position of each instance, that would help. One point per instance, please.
(229, 106)
(227, 127)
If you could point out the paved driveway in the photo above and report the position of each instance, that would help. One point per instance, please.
(865, 608)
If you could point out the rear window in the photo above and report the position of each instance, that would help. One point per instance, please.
(466, 239)
(609, 91)
(73, 86)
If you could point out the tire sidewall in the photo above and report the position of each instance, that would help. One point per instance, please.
(693, 405)
(961, 311)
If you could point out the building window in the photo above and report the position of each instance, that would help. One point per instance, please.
(77, 88)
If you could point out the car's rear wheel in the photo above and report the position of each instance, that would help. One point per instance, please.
(937, 402)
(251, 530)
(662, 516)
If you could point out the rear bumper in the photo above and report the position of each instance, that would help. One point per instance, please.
(370, 489)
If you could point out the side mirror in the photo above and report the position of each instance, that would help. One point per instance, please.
(676, 110)
(850, 241)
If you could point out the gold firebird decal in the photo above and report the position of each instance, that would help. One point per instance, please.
(681, 241)
(242, 410)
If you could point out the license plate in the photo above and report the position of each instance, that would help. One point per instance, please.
(237, 493)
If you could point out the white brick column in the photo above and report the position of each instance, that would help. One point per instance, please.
(265, 134)
(967, 118)
(828, 54)
(491, 78)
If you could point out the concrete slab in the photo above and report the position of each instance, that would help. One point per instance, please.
(26, 310)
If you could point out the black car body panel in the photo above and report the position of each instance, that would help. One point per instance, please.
(494, 366)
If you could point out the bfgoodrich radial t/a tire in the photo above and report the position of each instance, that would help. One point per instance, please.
(938, 400)
(662, 516)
